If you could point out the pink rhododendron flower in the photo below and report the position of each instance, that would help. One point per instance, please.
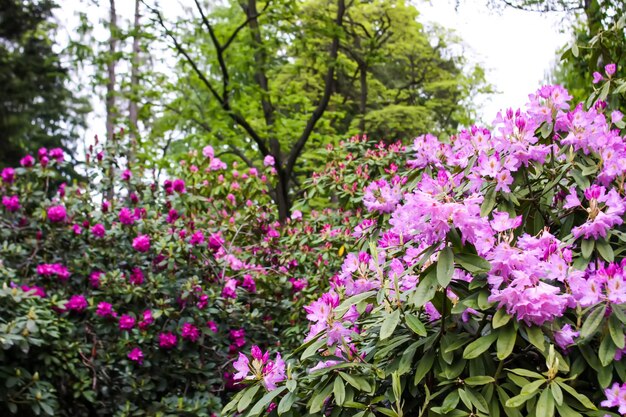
(37, 291)
(136, 276)
(57, 153)
(610, 69)
(167, 340)
(382, 196)
(94, 278)
(126, 216)
(179, 185)
(597, 77)
(58, 270)
(127, 175)
(261, 368)
(197, 238)
(126, 322)
(77, 303)
(8, 175)
(565, 337)
(105, 309)
(190, 332)
(27, 161)
(12, 203)
(57, 214)
(136, 355)
(616, 397)
(141, 243)
(269, 161)
(208, 152)
(212, 325)
(147, 319)
(98, 230)
(230, 288)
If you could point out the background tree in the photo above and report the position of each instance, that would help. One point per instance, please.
(284, 78)
(37, 107)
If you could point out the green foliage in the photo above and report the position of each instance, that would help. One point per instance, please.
(38, 108)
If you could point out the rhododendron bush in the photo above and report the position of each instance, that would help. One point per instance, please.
(492, 281)
(123, 295)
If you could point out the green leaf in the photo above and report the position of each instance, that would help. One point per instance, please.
(592, 322)
(580, 397)
(536, 337)
(262, 404)
(424, 366)
(473, 264)
(586, 247)
(489, 202)
(389, 324)
(500, 318)
(605, 91)
(286, 403)
(605, 250)
(445, 266)
(426, 289)
(616, 331)
(479, 346)
(357, 382)
(518, 400)
(313, 348)
(545, 404)
(317, 402)
(532, 387)
(450, 402)
(247, 397)
(415, 324)
(526, 372)
(566, 411)
(619, 312)
(557, 393)
(606, 353)
(339, 391)
(575, 50)
(479, 380)
(506, 341)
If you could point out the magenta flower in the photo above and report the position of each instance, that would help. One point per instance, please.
(167, 340)
(126, 216)
(597, 77)
(136, 355)
(8, 175)
(212, 326)
(147, 320)
(98, 230)
(49, 270)
(94, 278)
(381, 196)
(136, 276)
(261, 368)
(565, 337)
(37, 291)
(610, 69)
(190, 332)
(27, 161)
(616, 397)
(57, 214)
(208, 152)
(230, 288)
(12, 203)
(179, 185)
(269, 161)
(141, 243)
(126, 322)
(77, 303)
(197, 238)
(127, 175)
(249, 283)
(105, 309)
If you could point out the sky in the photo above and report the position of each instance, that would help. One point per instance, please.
(516, 48)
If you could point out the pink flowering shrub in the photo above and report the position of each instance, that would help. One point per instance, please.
(132, 296)
(489, 279)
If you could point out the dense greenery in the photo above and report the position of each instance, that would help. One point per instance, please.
(37, 107)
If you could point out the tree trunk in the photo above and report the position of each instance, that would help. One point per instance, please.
(363, 98)
(110, 95)
(133, 111)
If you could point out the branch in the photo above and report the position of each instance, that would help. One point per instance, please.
(328, 89)
(220, 54)
(243, 25)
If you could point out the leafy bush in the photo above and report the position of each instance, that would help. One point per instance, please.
(494, 282)
(128, 296)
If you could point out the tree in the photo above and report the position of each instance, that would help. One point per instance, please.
(282, 78)
(37, 108)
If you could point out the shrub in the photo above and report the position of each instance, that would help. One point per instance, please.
(494, 282)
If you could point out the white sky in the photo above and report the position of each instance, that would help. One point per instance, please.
(516, 48)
